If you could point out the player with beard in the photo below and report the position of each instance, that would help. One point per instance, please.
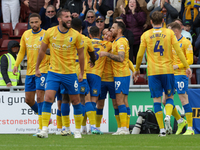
(64, 43)
(30, 45)
(120, 64)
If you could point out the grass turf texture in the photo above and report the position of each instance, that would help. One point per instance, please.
(99, 142)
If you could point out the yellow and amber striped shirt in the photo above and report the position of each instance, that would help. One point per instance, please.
(87, 48)
(100, 61)
(63, 49)
(159, 42)
(30, 44)
(121, 69)
(187, 50)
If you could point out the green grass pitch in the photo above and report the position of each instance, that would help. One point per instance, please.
(99, 142)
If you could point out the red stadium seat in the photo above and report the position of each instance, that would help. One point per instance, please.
(7, 30)
(20, 28)
(142, 80)
(4, 45)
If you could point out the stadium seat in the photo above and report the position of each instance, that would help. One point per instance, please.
(4, 45)
(142, 80)
(19, 29)
(7, 30)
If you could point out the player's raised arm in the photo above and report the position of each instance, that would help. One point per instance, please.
(41, 55)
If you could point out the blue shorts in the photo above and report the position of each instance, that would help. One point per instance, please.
(59, 95)
(158, 83)
(41, 81)
(94, 83)
(68, 81)
(84, 90)
(30, 84)
(105, 87)
(181, 84)
(122, 84)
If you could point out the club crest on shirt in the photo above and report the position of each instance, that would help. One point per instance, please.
(41, 38)
(70, 39)
(181, 45)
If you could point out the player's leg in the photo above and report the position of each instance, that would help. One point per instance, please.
(65, 110)
(99, 115)
(181, 121)
(84, 121)
(58, 114)
(30, 90)
(116, 117)
(53, 83)
(40, 91)
(188, 114)
(122, 89)
(128, 114)
(156, 90)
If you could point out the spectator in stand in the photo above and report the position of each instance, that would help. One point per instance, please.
(134, 19)
(102, 24)
(0, 27)
(36, 5)
(89, 21)
(191, 12)
(129, 35)
(48, 15)
(152, 4)
(124, 3)
(74, 6)
(10, 11)
(197, 45)
(7, 78)
(186, 34)
(169, 12)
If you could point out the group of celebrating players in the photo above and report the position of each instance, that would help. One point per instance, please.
(84, 69)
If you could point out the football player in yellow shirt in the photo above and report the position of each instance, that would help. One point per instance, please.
(64, 43)
(158, 42)
(94, 77)
(181, 80)
(120, 65)
(30, 44)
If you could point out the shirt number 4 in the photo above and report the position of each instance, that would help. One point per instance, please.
(160, 48)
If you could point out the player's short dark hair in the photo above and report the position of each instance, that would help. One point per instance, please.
(94, 31)
(34, 15)
(156, 17)
(179, 20)
(121, 25)
(76, 24)
(59, 13)
(175, 25)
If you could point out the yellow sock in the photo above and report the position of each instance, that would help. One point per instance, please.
(128, 121)
(168, 109)
(78, 121)
(59, 122)
(159, 118)
(98, 120)
(45, 118)
(66, 121)
(40, 121)
(123, 119)
(118, 121)
(176, 114)
(84, 121)
(189, 119)
(91, 116)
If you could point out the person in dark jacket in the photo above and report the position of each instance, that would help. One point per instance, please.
(13, 49)
(75, 7)
(134, 18)
(48, 15)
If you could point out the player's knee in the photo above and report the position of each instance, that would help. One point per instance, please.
(100, 104)
(40, 99)
(30, 101)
